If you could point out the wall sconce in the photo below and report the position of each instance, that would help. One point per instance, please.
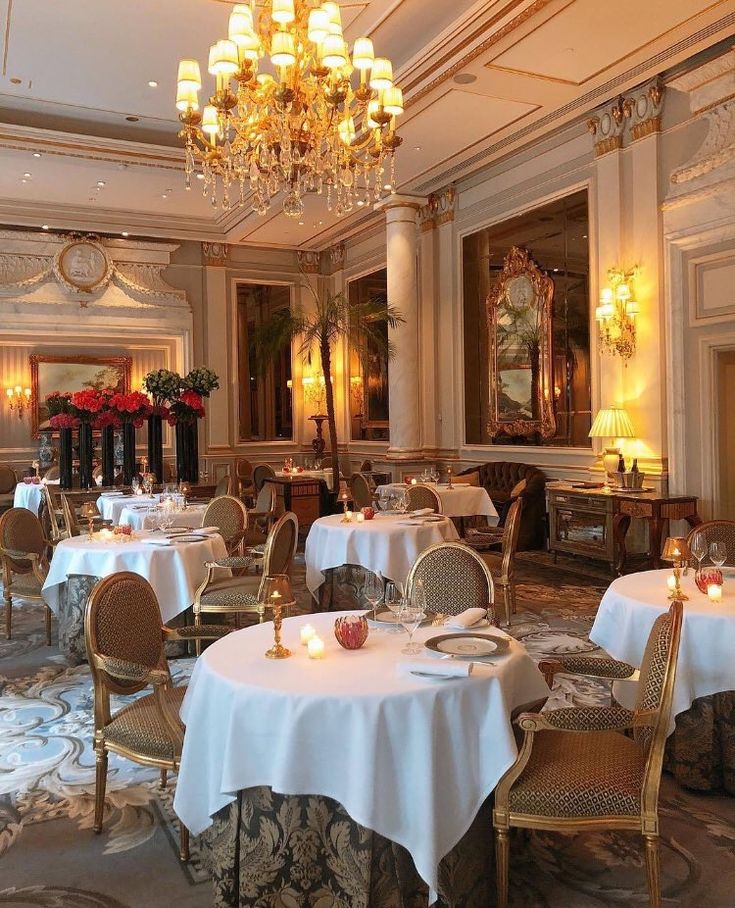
(616, 314)
(19, 399)
(315, 391)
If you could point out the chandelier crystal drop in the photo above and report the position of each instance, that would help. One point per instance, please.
(292, 112)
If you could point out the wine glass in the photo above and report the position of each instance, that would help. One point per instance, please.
(373, 589)
(410, 617)
(402, 502)
(699, 548)
(717, 553)
(135, 484)
(418, 595)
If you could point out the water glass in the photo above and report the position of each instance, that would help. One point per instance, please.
(411, 617)
(699, 548)
(717, 553)
(373, 589)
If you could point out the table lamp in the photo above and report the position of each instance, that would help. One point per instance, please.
(276, 593)
(676, 550)
(612, 423)
(89, 511)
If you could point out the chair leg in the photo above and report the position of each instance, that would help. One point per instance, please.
(513, 596)
(501, 866)
(653, 871)
(100, 786)
(198, 623)
(183, 843)
(8, 614)
(164, 779)
(47, 616)
(508, 604)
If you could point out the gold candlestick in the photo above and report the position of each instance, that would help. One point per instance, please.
(276, 594)
(449, 478)
(676, 550)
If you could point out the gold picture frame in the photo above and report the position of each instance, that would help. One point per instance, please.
(71, 372)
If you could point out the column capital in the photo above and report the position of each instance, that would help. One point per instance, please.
(215, 254)
(401, 201)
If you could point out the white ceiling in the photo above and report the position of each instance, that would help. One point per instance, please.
(83, 67)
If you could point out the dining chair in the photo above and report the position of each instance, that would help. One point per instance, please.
(70, 517)
(366, 466)
(53, 516)
(125, 639)
(261, 516)
(228, 514)
(224, 486)
(262, 472)
(244, 474)
(423, 497)
(53, 472)
(716, 531)
(576, 771)
(455, 578)
(362, 494)
(25, 566)
(507, 543)
(8, 482)
(240, 593)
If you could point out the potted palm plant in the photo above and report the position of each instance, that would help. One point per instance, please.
(331, 319)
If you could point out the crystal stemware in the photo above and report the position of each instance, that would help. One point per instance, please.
(373, 589)
(410, 617)
(699, 548)
(717, 553)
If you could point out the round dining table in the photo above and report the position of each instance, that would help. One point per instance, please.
(29, 495)
(408, 757)
(112, 504)
(705, 670)
(173, 567)
(389, 544)
(461, 500)
(139, 516)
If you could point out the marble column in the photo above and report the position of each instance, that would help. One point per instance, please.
(401, 214)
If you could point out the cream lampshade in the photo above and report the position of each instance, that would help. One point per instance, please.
(613, 423)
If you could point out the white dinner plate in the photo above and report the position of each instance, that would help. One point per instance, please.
(386, 618)
(467, 645)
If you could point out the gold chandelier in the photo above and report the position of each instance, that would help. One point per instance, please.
(302, 127)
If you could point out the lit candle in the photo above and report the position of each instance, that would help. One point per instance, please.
(414, 482)
(106, 533)
(307, 632)
(138, 490)
(348, 515)
(360, 517)
(714, 592)
(315, 647)
(671, 582)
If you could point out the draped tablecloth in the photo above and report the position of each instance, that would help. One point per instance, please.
(459, 501)
(326, 475)
(388, 545)
(411, 759)
(134, 515)
(29, 495)
(112, 506)
(701, 750)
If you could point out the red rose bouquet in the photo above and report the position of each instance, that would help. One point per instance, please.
(87, 404)
(187, 408)
(133, 407)
(60, 410)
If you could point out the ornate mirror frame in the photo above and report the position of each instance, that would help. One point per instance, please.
(519, 311)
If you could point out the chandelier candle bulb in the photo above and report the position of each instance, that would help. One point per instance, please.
(283, 11)
(315, 647)
(308, 631)
(318, 26)
(189, 75)
(363, 54)
(382, 74)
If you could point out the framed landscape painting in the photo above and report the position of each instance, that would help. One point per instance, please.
(73, 373)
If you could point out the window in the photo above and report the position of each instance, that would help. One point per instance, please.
(265, 395)
(556, 235)
(369, 374)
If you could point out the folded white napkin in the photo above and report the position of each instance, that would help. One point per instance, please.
(208, 531)
(467, 618)
(50, 482)
(421, 512)
(442, 668)
(157, 540)
(111, 494)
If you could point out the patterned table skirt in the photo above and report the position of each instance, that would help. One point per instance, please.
(342, 589)
(302, 850)
(701, 751)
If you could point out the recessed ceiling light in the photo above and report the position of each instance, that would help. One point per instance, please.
(24, 180)
(584, 236)
(417, 148)
(152, 84)
(200, 176)
(164, 195)
(27, 175)
(100, 184)
(125, 233)
(465, 78)
(132, 119)
(301, 223)
(36, 154)
(44, 226)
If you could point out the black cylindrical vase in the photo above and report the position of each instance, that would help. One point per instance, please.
(128, 440)
(182, 461)
(194, 465)
(155, 446)
(65, 458)
(86, 450)
(108, 456)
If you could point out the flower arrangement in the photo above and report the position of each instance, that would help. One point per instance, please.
(163, 385)
(187, 408)
(61, 411)
(133, 407)
(202, 381)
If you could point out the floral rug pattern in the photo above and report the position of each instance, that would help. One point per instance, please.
(50, 857)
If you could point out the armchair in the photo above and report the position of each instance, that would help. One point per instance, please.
(23, 553)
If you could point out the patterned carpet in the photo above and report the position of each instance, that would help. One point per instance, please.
(50, 857)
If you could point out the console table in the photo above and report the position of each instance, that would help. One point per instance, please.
(594, 522)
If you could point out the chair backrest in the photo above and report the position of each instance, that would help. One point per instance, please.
(243, 469)
(280, 547)
(423, 497)
(716, 531)
(262, 472)
(70, 516)
(518, 489)
(511, 532)
(366, 466)
(53, 472)
(21, 531)
(455, 578)
(8, 479)
(655, 695)
(362, 495)
(224, 486)
(51, 507)
(228, 514)
(122, 621)
(266, 501)
(97, 472)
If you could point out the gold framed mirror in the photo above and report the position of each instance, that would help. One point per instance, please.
(519, 310)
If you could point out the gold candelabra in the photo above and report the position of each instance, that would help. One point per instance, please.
(276, 594)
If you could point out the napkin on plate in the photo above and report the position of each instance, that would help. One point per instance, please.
(207, 531)
(442, 668)
(468, 618)
(422, 512)
(157, 540)
(111, 494)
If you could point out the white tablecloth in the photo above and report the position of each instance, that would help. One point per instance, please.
(112, 506)
(30, 495)
(326, 475)
(706, 656)
(135, 515)
(174, 571)
(389, 545)
(459, 501)
(408, 758)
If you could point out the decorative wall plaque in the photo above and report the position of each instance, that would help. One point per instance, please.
(83, 266)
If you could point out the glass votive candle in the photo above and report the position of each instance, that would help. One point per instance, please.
(714, 592)
(307, 633)
(414, 482)
(315, 647)
(360, 517)
(671, 582)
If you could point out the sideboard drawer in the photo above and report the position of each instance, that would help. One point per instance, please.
(600, 504)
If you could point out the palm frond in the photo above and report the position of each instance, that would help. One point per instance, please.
(270, 337)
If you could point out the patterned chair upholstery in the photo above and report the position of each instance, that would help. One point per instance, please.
(8, 482)
(499, 478)
(262, 472)
(455, 578)
(125, 647)
(228, 514)
(716, 531)
(423, 497)
(362, 495)
(23, 553)
(576, 771)
(241, 593)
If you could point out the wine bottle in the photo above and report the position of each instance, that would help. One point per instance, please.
(621, 464)
(634, 468)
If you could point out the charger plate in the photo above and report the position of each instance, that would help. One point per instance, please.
(386, 618)
(468, 645)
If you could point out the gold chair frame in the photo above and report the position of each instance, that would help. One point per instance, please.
(507, 541)
(719, 529)
(433, 553)
(416, 493)
(24, 562)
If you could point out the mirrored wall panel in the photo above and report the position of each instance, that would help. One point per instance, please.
(369, 373)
